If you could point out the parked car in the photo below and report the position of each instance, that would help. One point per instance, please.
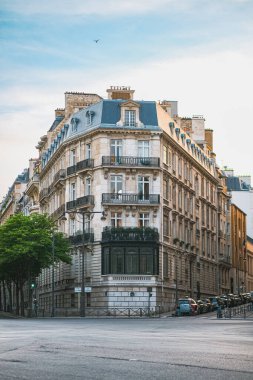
(216, 302)
(232, 300)
(202, 307)
(225, 299)
(237, 300)
(187, 306)
(209, 305)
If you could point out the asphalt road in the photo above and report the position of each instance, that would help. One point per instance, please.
(119, 349)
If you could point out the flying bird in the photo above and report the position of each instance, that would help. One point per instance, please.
(96, 41)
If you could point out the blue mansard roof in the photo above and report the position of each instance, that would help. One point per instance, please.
(104, 114)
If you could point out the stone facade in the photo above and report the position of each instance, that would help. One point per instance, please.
(180, 180)
(143, 203)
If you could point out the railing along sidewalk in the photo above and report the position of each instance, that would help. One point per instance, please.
(243, 311)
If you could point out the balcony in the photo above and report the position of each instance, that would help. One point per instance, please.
(112, 198)
(79, 238)
(220, 234)
(131, 161)
(58, 213)
(33, 184)
(80, 166)
(58, 178)
(86, 200)
(224, 259)
(145, 234)
(44, 193)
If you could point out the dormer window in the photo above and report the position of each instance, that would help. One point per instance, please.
(90, 117)
(130, 118)
(130, 115)
(74, 122)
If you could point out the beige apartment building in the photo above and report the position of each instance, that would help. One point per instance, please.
(164, 231)
(137, 191)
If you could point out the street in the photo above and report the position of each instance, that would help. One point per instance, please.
(166, 348)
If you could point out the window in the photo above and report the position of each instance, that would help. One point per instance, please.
(196, 187)
(165, 264)
(144, 219)
(74, 121)
(186, 175)
(174, 160)
(117, 258)
(174, 194)
(146, 261)
(166, 225)
(180, 198)
(72, 194)
(165, 154)
(116, 184)
(185, 201)
(88, 151)
(130, 260)
(191, 205)
(72, 157)
(116, 148)
(202, 187)
(72, 226)
(87, 221)
(180, 167)
(88, 186)
(143, 187)
(130, 118)
(166, 188)
(90, 116)
(143, 148)
(116, 219)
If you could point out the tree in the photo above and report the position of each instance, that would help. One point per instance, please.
(26, 248)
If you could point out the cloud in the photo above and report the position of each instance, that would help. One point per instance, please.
(87, 7)
(215, 84)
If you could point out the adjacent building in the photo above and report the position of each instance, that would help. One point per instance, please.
(238, 272)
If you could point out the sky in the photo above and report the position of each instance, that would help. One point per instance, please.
(198, 52)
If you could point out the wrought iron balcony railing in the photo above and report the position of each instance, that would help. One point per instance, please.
(81, 165)
(86, 200)
(59, 212)
(225, 259)
(44, 193)
(113, 198)
(130, 161)
(130, 234)
(80, 238)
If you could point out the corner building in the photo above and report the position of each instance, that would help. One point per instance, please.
(158, 191)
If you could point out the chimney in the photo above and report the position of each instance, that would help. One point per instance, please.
(120, 92)
(209, 138)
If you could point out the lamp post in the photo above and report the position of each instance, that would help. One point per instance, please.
(53, 250)
(82, 294)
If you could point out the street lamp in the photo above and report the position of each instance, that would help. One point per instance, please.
(53, 251)
(83, 213)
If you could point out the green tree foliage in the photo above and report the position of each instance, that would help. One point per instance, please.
(26, 247)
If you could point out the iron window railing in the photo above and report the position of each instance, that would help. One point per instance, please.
(130, 161)
(130, 234)
(116, 198)
(82, 201)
